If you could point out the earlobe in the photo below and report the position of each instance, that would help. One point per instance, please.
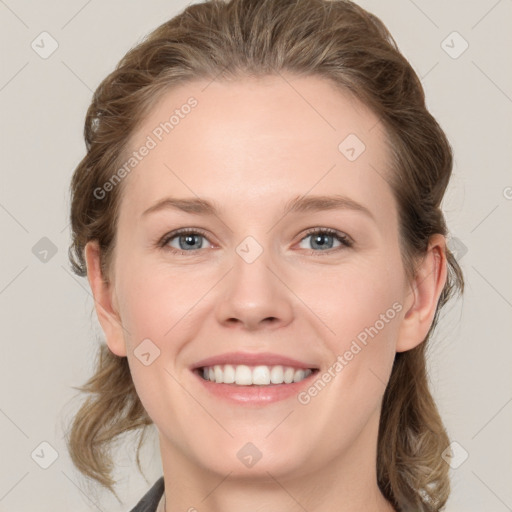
(104, 301)
(425, 291)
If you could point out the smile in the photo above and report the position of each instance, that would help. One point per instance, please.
(253, 386)
(261, 375)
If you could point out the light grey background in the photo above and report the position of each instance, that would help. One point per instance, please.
(49, 336)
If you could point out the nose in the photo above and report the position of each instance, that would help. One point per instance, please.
(255, 296)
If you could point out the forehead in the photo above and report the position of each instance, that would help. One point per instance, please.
(258, 140)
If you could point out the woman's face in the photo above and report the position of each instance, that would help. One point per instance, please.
(258, 170)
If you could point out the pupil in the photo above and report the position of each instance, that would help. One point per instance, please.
(190, 239)
(320, 241)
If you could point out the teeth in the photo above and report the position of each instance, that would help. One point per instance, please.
(243, 375)
(229, 374)
(289, 373)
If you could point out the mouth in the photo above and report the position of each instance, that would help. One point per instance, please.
(255, 375)
(253, 379)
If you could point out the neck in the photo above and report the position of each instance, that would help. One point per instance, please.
(346, 483)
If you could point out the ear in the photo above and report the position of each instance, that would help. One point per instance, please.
(423, 296)
(104, 301)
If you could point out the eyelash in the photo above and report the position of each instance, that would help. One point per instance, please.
(341, 237)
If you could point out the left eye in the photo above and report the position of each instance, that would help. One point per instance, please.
(325, 238)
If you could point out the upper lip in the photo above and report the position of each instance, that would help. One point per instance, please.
(252, 359)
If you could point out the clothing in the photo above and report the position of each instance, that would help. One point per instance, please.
(149, 502)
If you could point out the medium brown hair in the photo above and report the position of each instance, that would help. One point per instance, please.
(348, 46)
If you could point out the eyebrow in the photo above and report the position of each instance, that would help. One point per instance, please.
(299, 204)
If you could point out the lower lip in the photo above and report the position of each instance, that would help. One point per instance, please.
(254, 394)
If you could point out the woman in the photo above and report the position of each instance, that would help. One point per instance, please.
(258, 215)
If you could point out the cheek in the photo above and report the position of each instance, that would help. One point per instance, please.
(158, 305)
(157, 299)
(349, 301)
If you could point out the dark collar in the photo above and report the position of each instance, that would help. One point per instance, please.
(150, 500)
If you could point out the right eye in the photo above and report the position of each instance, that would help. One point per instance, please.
(185, 241)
